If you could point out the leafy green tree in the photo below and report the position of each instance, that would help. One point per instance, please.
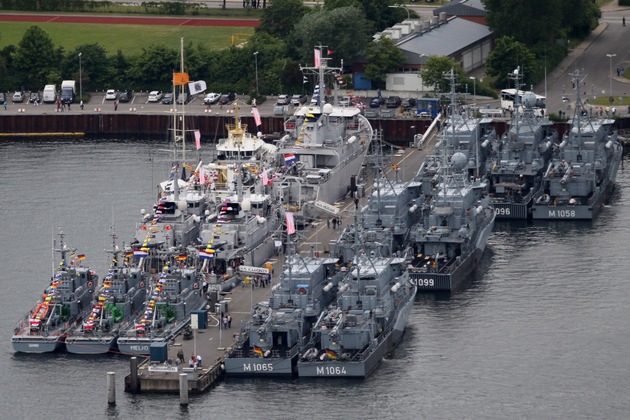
(94, 72)
(279, 18)
(119, 67)
(506, 57)
(34, 58)
(383, 57)
(153, 68)
(345, 31)
(434, 71)
(377, 12)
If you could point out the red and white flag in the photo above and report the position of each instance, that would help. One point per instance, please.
(318, 58)
(265, 177)
(198, 139)
(256, 116)
(202, 176)
(290, 224)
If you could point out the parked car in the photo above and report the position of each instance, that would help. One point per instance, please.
(111, 95)
(345, 101)
(183, 98)
(125, 96)
(2, 98)
(393, 102)
(377, 102)
(34, 98)
(297, 100)
(227, 98)
(211, 98)
(155, 95)
(167, 99)
(283, 100)
(18, 96)
(408, 103)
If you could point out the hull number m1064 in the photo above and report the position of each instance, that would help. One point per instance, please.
(257, 367)
(331, 370)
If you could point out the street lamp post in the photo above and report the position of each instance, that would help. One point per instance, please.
(610, 57)
(474, 79)
(400, 6)
(80, 77)
(256, 58)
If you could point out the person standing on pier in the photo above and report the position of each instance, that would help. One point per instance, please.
(180, 355)
(229, 321)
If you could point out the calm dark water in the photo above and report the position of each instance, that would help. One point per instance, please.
(541, 331)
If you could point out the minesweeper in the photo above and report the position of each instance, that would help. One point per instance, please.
(580, 177)
(367, 322)
(323, 149)
(268, 345)
(457, 220)
(118, 300)
(171, 297)
(515, 172)
(64, 303)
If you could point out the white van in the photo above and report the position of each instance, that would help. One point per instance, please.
(50, 94)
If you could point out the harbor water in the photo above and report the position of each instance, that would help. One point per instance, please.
(540, 331)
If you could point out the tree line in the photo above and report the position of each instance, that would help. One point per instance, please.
(285, 40)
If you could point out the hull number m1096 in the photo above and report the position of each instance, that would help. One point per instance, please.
(331, 370)
(502, 211)
(562, 214)
(257, 367)
(424, 282)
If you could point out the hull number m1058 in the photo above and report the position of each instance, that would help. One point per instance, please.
(562, 214)
(331, 370)
(257, 367)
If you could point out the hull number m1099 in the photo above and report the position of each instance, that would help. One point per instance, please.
(331, 370)
(562, 214)
(257, 367)
(424, 282)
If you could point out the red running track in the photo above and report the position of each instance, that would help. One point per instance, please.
(124, 20)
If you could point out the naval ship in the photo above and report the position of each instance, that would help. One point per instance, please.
(171, 297)
(269, 343)
(242, 223)
(64, 303)
(117, 301)
(515, 172)
(581, 175)
(323, 149)
(367, 322)
(457, 219)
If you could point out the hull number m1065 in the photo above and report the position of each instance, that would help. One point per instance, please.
(257, 367)
(331, 370)
(424, 282)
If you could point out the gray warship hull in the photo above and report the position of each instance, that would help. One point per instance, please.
(512, 211)
(451, 281)
(261, 367)
(92, 345)
(385, 344)
(25, 344)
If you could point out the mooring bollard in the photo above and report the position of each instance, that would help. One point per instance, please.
(111, 388)
(134, 374)
(183, 389)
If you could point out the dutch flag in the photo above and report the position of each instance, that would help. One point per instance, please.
(289, 159)
(140, 253)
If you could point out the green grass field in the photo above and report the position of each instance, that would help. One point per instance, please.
(130, 39)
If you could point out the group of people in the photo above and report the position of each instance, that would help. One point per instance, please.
(226, 321)
(335, 221)
(193, 362)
